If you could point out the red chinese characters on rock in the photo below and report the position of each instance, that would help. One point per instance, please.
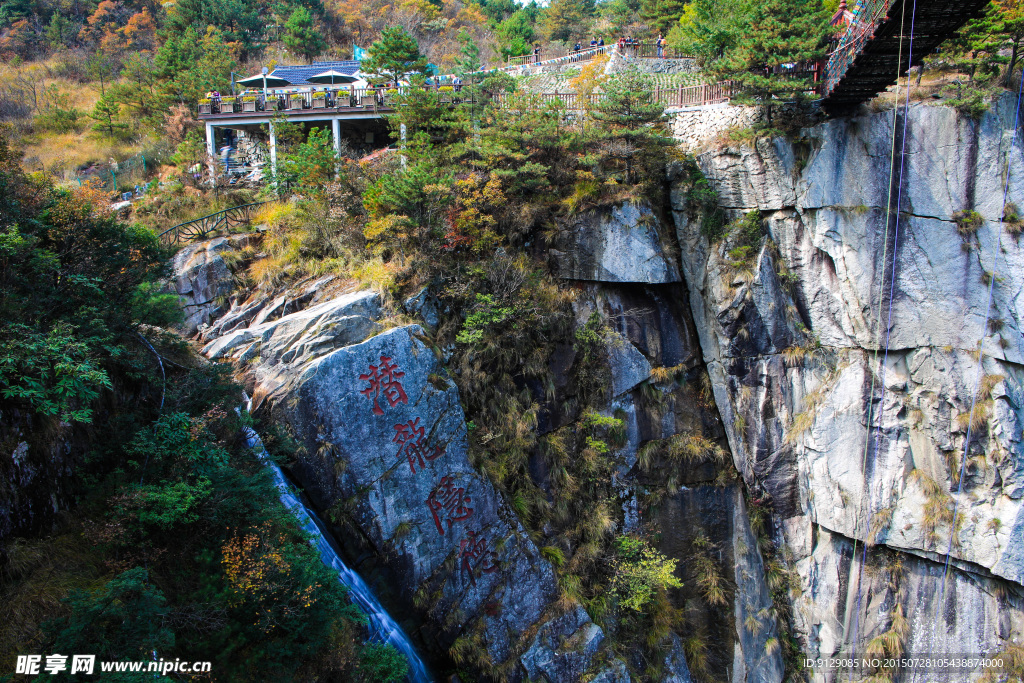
(449, 503)
(474, 556)
(413, 444)
(383, 380)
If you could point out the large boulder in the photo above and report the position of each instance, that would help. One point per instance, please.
(203, 280)
(620, 244)
(381, 432)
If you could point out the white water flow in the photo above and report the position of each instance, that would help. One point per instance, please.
(383, 628)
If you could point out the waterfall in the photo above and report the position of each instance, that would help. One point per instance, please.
(383, 628)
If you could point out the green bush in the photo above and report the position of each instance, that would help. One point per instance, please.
(57, 120)
(382, 663)
(640, 571)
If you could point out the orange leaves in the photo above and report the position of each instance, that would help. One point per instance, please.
(259, 574)
(472, 221)
(139, 32)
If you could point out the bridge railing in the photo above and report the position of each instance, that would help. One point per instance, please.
(201, 228)
(866, 18)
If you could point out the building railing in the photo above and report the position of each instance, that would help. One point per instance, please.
(380, 98)
(201, 228)
(355, 98)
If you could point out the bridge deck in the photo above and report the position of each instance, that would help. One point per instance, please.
(875, 66)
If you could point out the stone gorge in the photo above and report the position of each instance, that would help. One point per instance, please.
(843, 424)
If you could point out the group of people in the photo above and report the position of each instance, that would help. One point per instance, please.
(596, 42)
(630, 43)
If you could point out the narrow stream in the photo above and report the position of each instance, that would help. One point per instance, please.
(383, 628)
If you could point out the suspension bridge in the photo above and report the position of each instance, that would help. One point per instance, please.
(883, 40)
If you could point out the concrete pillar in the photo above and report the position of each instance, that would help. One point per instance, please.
(403, 131)
(211, 151)
(273, 155)
(336, 131)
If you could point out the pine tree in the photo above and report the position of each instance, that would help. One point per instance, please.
(515, 35)
(662, 15)
(708, 29)
(468, 61)
(106, 114)
(781, 33)
(301, 36)
(568, 20)
(396, 53)
(978, 48)
(632, 123)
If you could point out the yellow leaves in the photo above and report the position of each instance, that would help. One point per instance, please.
(257, 571)
(387, 229)
(426, 10)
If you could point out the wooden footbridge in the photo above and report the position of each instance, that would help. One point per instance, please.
(883, 39)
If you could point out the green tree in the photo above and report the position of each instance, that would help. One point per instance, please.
(568, 20)
(621, 15)
(139, 90)
(238, 21)
(192, 63)
(382, 663)
(301, 36)
(780, 32)
(60, 31)
(640, 572)
(393, 56)
(313, 163)
(632, 129)
(979, 47)
(661, 15)
(107, 114)
(467, 64)
(516, 35)
(123, 619)
(710, 28)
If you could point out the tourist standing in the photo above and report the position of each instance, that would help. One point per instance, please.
(661, 46)
(536, 53)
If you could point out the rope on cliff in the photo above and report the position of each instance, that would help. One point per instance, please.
(981, 347)
(881, 296)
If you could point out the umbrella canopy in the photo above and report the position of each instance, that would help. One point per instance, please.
(257, 81)
(332, 76)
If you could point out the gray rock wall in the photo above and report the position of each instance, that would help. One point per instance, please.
(796, 414)
(382, 434)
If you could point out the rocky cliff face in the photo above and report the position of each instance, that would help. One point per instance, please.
(843, 351)
(625, 263)
(382, 441)
(769, 345)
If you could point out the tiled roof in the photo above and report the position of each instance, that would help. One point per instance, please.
(297, 75)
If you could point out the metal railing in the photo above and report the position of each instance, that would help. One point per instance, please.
(201, 228)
